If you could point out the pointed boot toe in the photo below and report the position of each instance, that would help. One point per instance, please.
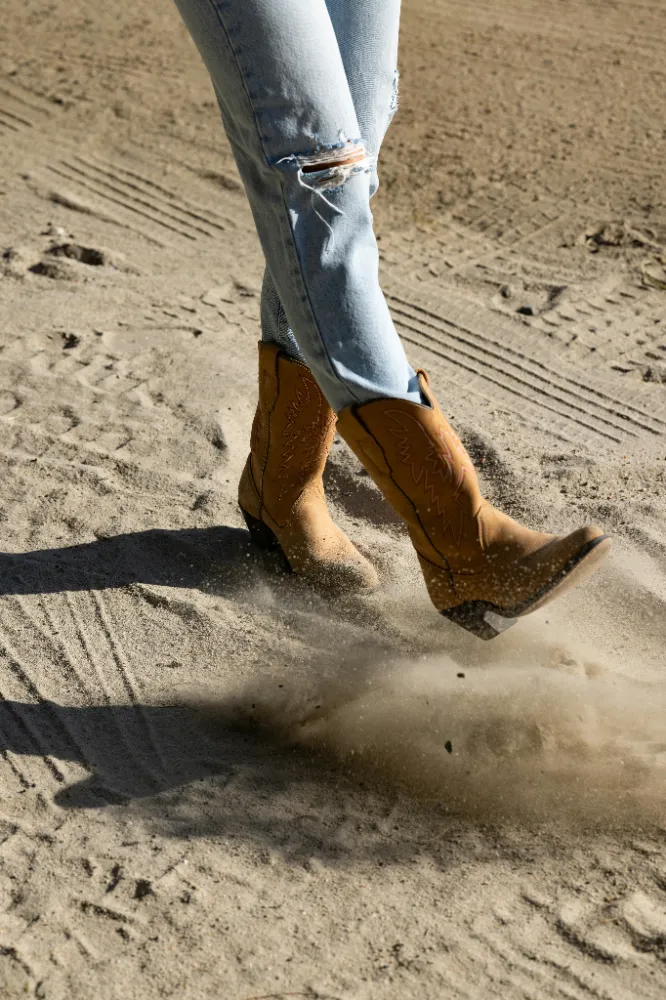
(333, 564)
(562, 563)
(515, 580)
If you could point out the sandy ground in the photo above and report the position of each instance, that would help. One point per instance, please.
(404, 812)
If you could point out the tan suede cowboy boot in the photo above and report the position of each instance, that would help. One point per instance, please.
(482, 569)
(281, 493)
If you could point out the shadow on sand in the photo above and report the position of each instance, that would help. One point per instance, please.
(186, 776)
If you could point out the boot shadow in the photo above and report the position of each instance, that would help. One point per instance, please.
(197, 558)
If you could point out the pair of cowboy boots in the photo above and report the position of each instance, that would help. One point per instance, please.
(483, 570)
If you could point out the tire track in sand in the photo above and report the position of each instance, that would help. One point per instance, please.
(110, 630)
(523, 370)
(20, 109)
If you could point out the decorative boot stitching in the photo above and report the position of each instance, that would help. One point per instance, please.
(433, 474)
(409, 500)
(305, 441)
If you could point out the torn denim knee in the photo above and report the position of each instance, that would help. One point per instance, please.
(330, 167)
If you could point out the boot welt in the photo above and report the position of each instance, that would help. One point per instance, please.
(486, 620)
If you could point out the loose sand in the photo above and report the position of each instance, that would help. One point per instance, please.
(213, 782)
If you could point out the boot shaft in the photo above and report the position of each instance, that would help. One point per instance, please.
(292, 432)
(422, 468)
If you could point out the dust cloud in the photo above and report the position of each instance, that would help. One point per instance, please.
(503, 740)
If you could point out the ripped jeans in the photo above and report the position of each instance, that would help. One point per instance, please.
(302, 85)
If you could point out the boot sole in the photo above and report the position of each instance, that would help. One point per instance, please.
(487, 621)
(262, 536)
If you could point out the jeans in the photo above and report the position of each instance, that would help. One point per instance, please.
(301, 85)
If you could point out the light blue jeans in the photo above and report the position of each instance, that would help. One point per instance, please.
(302, 83)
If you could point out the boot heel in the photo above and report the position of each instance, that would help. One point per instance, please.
(263, 538)
(480, 618)
(260, 533)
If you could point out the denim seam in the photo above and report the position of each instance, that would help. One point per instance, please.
(284, 201)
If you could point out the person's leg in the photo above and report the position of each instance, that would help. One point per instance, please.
(482, 569)
(367, 35)
(284, 98)
(288, 111)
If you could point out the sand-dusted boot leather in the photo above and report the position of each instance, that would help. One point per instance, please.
(281, 493)
(482, 569)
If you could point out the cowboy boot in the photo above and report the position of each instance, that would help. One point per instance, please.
(281, 494)
(482, 569)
